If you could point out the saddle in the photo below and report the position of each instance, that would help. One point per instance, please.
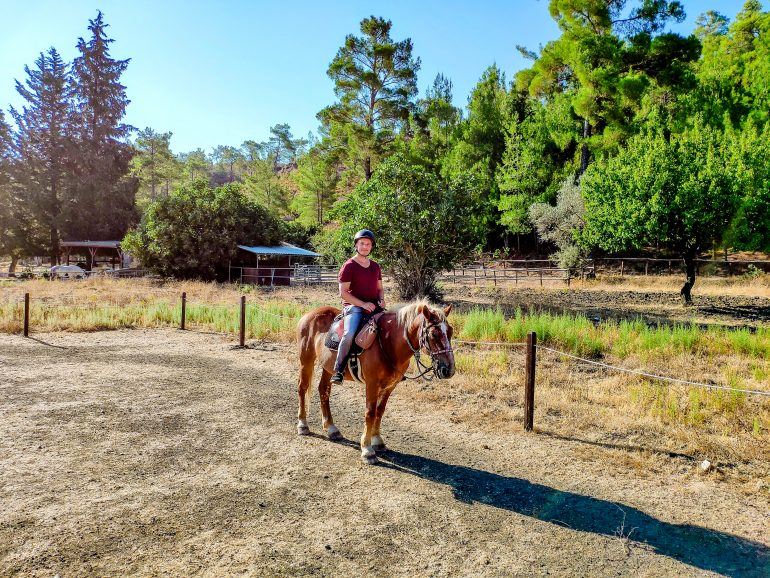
(365, 335)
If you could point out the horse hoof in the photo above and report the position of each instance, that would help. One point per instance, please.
(302, 429)
(379, 448)
(368, 456)
(333, 433)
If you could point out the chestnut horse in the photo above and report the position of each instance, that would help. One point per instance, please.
(402, 333)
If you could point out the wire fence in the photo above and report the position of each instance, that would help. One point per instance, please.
(530, 349)
(641, 373)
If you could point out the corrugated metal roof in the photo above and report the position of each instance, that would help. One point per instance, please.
(96, 244)
(282, 249)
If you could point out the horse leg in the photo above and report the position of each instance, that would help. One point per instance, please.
(305, 377)
(324, 393)
(378, 444)
(368, 455)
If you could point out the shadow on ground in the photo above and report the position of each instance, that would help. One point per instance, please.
(699, 547)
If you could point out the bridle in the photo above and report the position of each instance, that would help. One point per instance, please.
(423, 342)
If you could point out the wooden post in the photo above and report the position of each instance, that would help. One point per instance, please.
(645, 267)
(541, 277)
(568, 276)
(516, 277)
(474, 276)
(184, 309)
(529, 381)
(494, 277)
(621, 267)
(26, 315)
(242, 340)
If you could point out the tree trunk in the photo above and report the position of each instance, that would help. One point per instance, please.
(12, 266)
(689, 266)
(367, 168)
(584, 155)
(54, 245)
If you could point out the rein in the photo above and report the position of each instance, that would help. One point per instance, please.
(422, 343)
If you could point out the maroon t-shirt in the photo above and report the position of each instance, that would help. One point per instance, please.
(363, 280)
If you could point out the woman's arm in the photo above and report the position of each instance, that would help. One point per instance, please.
(381, 299)
(348, 297)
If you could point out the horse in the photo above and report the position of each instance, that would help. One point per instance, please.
(402, 333)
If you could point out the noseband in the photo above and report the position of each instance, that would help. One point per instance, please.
(423, 342)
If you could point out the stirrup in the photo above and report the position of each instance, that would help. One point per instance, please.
(337, 377)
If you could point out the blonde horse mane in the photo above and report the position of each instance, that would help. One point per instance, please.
(406, 314)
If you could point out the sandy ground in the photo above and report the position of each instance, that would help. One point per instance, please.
(170, 453)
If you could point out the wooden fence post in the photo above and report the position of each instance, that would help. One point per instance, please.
(184, 309)
(494, 277)
(541, 277)
(26, 315)
(529, 381)
(621, 267)
(242, 341)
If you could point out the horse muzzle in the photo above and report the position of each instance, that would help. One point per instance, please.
(444, 371)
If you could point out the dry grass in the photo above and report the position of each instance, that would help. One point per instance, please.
(746, 286)
(575, 401)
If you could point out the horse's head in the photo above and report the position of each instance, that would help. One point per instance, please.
(436, 338)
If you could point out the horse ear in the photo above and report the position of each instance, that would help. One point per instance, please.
(447, 309)
(424, 310)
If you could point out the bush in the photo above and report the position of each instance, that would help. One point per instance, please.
(423, 223)
(194, 231)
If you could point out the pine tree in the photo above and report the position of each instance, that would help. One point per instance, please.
(375, 79)
(41, 147)
(103, 194)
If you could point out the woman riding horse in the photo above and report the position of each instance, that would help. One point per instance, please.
(361, 292)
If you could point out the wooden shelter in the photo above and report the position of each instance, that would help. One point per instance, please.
(90, 249)
(261, 265)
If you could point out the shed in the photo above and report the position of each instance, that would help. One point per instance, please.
(90, 249)
(261, 265)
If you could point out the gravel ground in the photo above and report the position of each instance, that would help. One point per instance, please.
(171, 453)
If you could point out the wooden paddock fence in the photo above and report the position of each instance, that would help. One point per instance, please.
(530, 359)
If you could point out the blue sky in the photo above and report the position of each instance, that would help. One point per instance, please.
(224, 72)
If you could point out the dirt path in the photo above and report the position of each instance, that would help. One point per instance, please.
(169, 453)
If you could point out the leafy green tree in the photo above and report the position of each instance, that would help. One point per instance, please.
(375, 79)
(227, 158)
(316, 178)
(153, 160)
(423, 224)
(734, 72)
(562, 223)
(480, 144)
(672, 193)
(283, 147)
(539, 153)
(749, 166)
(194, 231)
(195, 164)
(264, 185)
(606, 59)
(433, 125)
(20, 233)
(42, 145)
(102, 194)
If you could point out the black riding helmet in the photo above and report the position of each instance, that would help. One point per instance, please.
(364, 234)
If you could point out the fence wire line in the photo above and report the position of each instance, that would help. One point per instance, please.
(588, 361)
(653, 376)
